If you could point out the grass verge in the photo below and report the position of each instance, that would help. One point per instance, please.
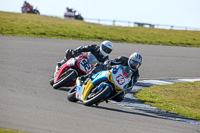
(3, 130)
(180, 98)
(30, 25)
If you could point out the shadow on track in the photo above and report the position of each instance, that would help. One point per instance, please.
(128, 112)
(150, 114)
(64, 89)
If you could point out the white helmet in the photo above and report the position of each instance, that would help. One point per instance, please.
(106, 48)
(135, 61)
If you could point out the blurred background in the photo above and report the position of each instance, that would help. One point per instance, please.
(177, 14)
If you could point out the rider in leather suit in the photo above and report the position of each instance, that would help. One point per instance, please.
(28, 6)
(134, 62)
(100, 52)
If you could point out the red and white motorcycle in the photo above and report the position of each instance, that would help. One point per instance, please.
(26, 10)
(66, 75)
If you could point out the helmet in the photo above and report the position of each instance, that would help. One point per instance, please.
(135, 61)
(25, 2)
(106, 48)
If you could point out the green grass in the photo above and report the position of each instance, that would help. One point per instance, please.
(3, 130)
(180, 98)
(30, 25)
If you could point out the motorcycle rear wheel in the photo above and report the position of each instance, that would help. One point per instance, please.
(64, 80)
(98, 97)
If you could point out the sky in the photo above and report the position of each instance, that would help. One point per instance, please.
(166, 12)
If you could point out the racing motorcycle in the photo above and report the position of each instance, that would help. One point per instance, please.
(78, 16)
(66, 75)
(34, 10)
(102, 86)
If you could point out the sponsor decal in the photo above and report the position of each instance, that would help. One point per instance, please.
(115, 70)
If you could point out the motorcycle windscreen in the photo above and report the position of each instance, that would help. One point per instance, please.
(92, 59)
(127, 71)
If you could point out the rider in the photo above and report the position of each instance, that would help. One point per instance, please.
(69, 9)
(133, 62)
(100, 52)
(28, 6)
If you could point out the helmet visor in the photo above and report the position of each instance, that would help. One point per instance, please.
(106, 49)
(134, 64)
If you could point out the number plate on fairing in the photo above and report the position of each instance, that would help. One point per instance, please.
(85, 66)
(119, 79)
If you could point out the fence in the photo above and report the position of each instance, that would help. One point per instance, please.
(137, 24)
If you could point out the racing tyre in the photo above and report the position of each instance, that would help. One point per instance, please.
(71, 95)
(65, 79)
(36, 12)
(94, 98)
(51, 81)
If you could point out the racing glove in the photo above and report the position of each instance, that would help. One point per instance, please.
(107, 65)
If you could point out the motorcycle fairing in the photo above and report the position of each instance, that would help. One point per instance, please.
(100, 77)
(117, 89)
(79, 91)
(84, 65)
(69, 63)
(118, 78)
(83, 91)
(87, 89)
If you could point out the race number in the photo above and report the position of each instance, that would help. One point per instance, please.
(120, 79)
(85, 65)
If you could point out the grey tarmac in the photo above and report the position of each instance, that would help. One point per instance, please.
(29, 103)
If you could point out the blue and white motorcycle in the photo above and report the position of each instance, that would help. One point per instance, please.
(102, 86)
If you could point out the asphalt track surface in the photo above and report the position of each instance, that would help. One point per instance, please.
(29, 103)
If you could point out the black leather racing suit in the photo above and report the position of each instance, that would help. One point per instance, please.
(94, 49)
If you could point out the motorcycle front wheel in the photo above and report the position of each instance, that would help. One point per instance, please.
(36, 12)
(71, 95)
(66, 79)
(51, 81)
(96, 97)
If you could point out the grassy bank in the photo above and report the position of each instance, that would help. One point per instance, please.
(179, 98)
(3, 130)
(30, 25)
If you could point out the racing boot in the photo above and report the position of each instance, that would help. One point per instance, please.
(119, 97)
